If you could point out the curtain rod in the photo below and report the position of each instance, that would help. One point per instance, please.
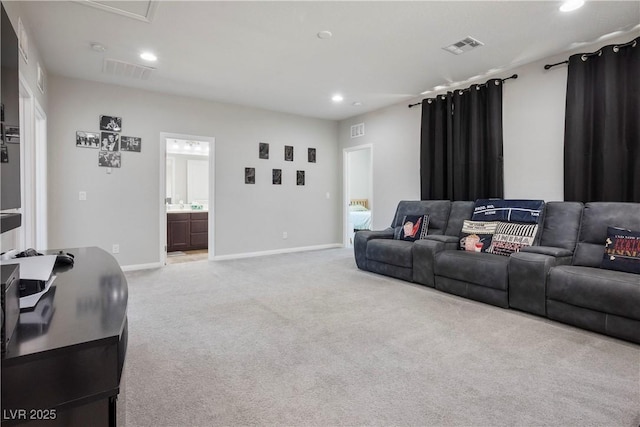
(515, 76)
(616, 48)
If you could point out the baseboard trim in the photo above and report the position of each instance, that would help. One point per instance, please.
(277, 252)
(141, 266)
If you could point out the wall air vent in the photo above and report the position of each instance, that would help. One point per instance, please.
(357, 130)
(126, 69)
(463, 46)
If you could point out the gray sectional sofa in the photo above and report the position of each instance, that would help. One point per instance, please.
(559, 277)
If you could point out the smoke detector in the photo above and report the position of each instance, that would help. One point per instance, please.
(464, 45)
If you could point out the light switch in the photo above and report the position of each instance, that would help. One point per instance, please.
(108, 170)
(82, 195)
(328, 195)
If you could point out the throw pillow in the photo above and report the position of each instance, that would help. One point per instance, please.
(476, 236)
(528, 211)
(510, 237)
(622, 250)
(413, 227)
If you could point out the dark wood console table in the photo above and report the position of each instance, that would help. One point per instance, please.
(64, 362)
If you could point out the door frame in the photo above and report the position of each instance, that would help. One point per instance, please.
(163, 191)
(27, 233)
(347, 186)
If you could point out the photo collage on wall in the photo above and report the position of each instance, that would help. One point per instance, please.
(277, 174)
(109, 141)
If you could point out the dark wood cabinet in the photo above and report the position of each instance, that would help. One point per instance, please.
(178, 232)
(187, 231)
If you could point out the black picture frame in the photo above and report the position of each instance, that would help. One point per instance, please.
(263, 150)
(130, 143)
(111, 123)
(11, 134)
(249, 175)
(109, 141)
(300, 178)
(276, 176)
(311, 155)
(288, 153)
(87, 139)
(110, 159)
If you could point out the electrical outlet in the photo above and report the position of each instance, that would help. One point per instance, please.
(115, 249)
(284, 235)
(82, 195)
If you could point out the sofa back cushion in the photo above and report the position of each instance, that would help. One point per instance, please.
(596, 218)
(561, 224)
(460, 211)
(438, 211)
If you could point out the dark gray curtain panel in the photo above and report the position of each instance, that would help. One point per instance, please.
(602, 125)
(461, 144)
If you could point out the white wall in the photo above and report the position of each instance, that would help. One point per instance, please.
(123, 207)
(394, 133)
(533, 122)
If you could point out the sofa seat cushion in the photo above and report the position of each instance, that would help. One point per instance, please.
(606, 291)
(394, 252)
(479, 268)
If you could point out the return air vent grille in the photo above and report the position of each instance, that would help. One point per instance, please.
(357, 130)
(126, 69)
(463, 46)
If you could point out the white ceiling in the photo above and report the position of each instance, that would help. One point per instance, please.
(267, 54)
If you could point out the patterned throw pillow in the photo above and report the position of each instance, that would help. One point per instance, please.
(510, 237)
(413, 227)
(528, 211)
(476, 236)
(622, 250)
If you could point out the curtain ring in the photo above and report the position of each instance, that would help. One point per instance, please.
(497, 82)
(428, 101)
(584, 58)
(616, 48)
(478, 87)
(460, 92)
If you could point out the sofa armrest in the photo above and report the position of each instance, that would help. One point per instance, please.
(548, 250)
(528, 273)
(424, 254)
(360, 244)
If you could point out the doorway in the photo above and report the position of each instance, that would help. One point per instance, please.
(187, 198)
(358, 191)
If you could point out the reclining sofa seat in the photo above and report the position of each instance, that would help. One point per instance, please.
(479, 276)
(529, 268)
(583, 294)
(379, 252)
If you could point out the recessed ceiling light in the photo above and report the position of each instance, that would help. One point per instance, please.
(148, 56)
(325, 35)
(337, 98)
(571, 5)
(98, 47)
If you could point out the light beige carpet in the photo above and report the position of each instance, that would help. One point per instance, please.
(307, 339)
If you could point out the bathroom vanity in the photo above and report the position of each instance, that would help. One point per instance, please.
(187, 230)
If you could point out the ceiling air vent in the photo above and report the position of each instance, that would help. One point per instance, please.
(126, 69)
(463, 46)
(357, 130)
